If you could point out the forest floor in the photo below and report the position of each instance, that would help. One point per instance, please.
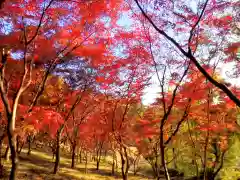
(39, 166)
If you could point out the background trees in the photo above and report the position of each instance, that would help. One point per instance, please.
(72, 75)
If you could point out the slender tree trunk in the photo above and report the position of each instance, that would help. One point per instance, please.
(156, 164)
(91, 157)
(57, 153)
(53, 155)
(205, 158)
(134, 169)
(125, 163)
(80, 156)
(1, 166)
(73, 154)
(113, 163)
(175, 159)
(196, 165)
(12, 145)
(18, 144)
(135, 164)
(20, 148)
(155, 174)
(162, 148)
(1, 152)
(99, 154)
(98, 165)
(86, 162)
(6, 154)
(116, 163)
(123, 167)
(29, 145)
(53, 148)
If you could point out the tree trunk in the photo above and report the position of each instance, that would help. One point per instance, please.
(165, 168)
(98, 165)
(162, 148)
(57, 152)
(1, 166)
(123, 167)
(125, 163)
(12, 145)
(174, 158)
(53, 155)
(53, 148)
(113, 163)
(116, 163)
(91, 157)
(205, 157)
(86, 162)
(18, 144)
(73, 154)
(99, 153)
(6, 154)
(1, 153)
(135, 165)
(20, 148)
(80, 156)
(29, 145)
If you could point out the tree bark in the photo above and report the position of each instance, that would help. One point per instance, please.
(86, 162)
(113, 163)
(162, 149)
(73, 154)
(18, 143)
(1, 153)
(99, 154)
(12, 145)
(125, 163)
(1, 166)
(122, 168)
(20, 148)
(6, 154)
(80, 156)
(175, 159)
(135, 165)
(29, 145)
(57, 153)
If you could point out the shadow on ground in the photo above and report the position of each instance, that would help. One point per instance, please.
(39, 166)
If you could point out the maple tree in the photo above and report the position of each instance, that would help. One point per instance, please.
(196, 24)
(210, 119)
(38, 25)
(80, 115)
(71, 73)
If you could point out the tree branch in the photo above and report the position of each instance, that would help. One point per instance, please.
(195, 25)
(185, 115)
(192, 58)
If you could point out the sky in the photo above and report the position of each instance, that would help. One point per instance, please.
(151, 92)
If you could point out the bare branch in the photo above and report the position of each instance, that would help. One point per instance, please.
(40, 23)
(192, 58)
(195, 25)
(185, 115)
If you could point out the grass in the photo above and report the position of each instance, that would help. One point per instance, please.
(39, 166)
